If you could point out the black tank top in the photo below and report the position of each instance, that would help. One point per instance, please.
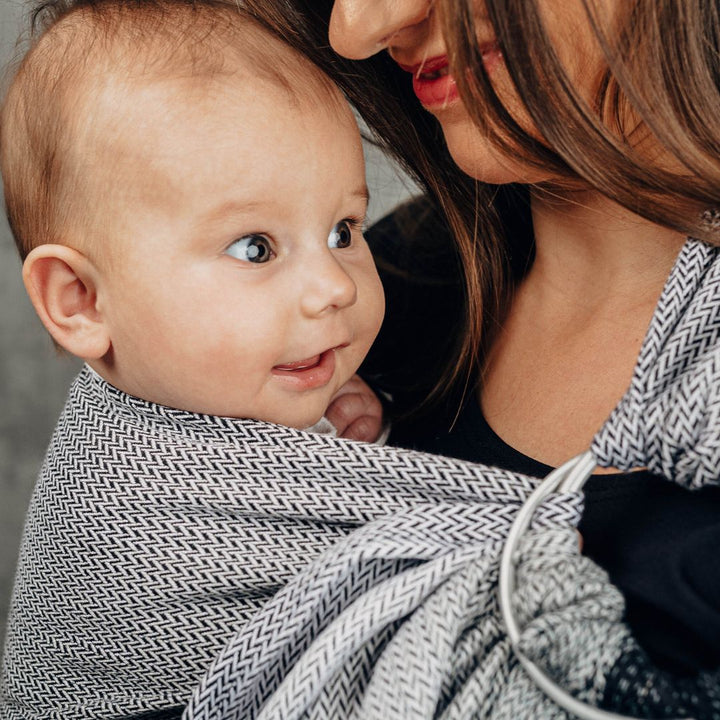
(659, 543)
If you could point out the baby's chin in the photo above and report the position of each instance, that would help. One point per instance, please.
(297, 415)
(303, 421)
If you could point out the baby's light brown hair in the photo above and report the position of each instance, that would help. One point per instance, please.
(76, 46)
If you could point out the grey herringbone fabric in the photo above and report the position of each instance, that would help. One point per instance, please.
(669, 419)
(154, 534)
(401, 621)
(290, 575)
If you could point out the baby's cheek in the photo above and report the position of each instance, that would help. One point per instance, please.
(373, 296)
(377, 312)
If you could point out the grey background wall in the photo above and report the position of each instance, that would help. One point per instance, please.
(34, 379)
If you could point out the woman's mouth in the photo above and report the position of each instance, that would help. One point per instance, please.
(434, 74)
(433, 82)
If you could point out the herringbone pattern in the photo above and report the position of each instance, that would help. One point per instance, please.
(264, 572)
(425, 620)
(154, 534)
(669, 418)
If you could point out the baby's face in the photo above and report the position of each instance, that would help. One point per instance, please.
(239, 283)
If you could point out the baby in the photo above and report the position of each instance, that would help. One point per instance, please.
(190, 221)
(187, 194)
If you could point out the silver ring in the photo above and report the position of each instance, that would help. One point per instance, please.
(569, 477)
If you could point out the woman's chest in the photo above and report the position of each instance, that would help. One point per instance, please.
(547, 389)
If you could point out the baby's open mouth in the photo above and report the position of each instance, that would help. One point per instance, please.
(301, 364)
(308, 374)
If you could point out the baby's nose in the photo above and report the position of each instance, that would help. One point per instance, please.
(326, 287)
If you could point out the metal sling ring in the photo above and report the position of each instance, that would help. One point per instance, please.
(569, 477)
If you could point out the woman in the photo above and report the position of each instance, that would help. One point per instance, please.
(570, 182)
(587, 134)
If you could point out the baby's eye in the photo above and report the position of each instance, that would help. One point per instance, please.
(341, 235)
(251, 248)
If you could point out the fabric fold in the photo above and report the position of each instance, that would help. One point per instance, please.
(669, 418)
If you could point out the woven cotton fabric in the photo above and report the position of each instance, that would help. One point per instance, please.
(253, 570)
(155, 534)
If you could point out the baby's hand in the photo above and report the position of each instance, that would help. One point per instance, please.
(355, 411)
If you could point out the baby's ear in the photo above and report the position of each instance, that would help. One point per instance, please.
(62, 284)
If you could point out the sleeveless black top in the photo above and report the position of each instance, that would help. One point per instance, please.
(659, 543)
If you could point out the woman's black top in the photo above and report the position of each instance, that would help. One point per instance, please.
(659, 543)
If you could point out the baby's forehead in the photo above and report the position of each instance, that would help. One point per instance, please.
(195, 43)
(61, 96)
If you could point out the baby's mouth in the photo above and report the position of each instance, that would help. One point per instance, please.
(300, 364)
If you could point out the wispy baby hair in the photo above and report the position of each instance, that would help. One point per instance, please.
(76, 48)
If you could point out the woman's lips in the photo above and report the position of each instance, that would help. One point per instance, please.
(435, 89)
(313, 372)
(433, 83)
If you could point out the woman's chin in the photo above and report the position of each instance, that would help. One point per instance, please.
(478, 158)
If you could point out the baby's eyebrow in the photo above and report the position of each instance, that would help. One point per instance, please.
(232, 207)
(362, 192)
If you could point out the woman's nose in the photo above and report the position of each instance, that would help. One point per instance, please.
(361, 28)
(327, 287)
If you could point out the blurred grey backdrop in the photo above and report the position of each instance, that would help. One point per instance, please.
(34, 379)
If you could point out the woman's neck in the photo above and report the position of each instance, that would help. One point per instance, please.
(595, 252)
(568, 347)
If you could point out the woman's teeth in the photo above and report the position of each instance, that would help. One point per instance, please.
(435, 74)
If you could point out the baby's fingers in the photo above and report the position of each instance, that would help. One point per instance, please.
(366, 428)
(356, 415)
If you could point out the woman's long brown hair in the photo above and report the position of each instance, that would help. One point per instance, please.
(663, 79)
(663, 69)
